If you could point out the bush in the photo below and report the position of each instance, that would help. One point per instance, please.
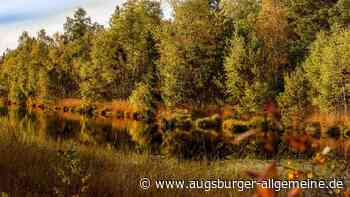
(73, 177)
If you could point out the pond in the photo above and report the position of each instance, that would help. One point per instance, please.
(150, 137)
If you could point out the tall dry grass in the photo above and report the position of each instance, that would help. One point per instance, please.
(27, 167)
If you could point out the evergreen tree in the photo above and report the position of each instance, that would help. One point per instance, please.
(256, 61)
(307, 18)
(77, 41)
(192, 48)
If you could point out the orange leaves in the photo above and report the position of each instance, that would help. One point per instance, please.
(319, 159)
(294, 192)
(269, 173)
(272, 29)
(294, 175)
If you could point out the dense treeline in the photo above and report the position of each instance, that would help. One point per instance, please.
(247, 53)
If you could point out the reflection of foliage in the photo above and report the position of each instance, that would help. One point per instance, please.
(213, 122)
(62, 128)
(196, 144)
(146, 136)
(73, 178)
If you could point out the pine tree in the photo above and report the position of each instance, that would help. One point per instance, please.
(307, 18)
(191, 48)
(256, 61)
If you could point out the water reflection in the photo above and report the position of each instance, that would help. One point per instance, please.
(72, 127)
(131, 135)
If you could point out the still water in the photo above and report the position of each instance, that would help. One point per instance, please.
(131, 135)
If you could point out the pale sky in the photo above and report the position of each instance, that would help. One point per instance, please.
(17, 16)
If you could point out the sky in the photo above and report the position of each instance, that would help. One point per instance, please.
(17, 16)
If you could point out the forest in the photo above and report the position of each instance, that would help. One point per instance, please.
(243, 80)
(244, 53)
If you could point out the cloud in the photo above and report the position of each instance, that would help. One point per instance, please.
(17, 16)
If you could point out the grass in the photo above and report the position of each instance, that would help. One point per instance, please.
(29, 163)
(28, 169)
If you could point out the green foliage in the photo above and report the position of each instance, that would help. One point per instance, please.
(77, 41)
(124, 54)
(243, 52)
(191, 49)
(143, 98)
(255, 62)
(295, 102)
(25, 69)
(327, 69)
(307, 18)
